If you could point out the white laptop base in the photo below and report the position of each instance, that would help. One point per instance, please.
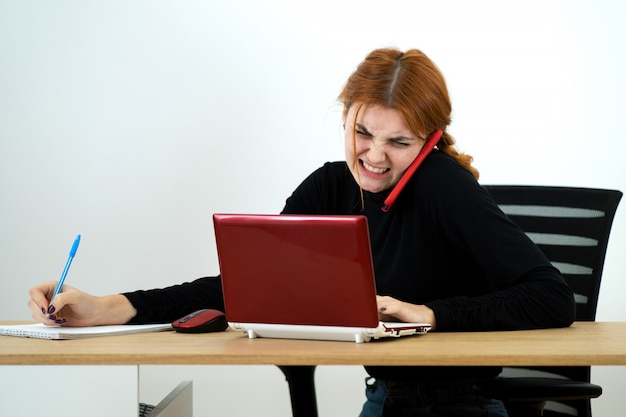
(339, 333)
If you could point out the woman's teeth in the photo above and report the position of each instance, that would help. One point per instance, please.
(374, 169)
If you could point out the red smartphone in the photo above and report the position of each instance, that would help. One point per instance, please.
(423, 153)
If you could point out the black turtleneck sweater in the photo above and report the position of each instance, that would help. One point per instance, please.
(444, 243)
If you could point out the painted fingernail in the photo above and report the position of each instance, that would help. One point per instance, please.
(52, 317)
(51, 309)
(60, 321)
(43, 310)
(383, 309)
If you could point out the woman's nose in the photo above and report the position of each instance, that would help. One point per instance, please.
(376, 151)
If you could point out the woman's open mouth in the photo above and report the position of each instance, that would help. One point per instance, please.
(374, 170)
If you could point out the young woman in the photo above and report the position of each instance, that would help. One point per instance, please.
(444, 253)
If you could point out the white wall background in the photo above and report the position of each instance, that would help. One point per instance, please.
(131, 122)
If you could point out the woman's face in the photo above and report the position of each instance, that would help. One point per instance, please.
(385, 147)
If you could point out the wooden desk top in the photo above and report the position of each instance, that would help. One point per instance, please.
(585, 343)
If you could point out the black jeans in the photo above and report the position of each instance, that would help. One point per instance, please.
(432, 399)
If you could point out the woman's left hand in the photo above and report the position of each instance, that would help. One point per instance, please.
(391, 309)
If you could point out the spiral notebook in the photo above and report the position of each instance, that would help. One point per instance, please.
(41, 331)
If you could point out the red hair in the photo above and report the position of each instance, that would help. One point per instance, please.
(412, 84)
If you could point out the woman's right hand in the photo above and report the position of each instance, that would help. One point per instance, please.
(73, 307)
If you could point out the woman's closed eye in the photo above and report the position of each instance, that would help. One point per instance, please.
(400, 143)
(363, 133)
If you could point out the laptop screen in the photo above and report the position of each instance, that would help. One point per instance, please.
(296, 269)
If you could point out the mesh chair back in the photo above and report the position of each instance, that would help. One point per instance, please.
(571, 226)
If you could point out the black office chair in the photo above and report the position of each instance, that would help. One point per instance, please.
(571, 226)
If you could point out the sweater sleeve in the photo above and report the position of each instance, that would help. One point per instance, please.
(539, 301)
(525, 290)
(168, 304)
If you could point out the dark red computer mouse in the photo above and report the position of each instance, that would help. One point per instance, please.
(201, 321)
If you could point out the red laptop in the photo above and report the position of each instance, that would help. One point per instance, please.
(301, 277)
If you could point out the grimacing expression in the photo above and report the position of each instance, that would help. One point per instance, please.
(385, 146)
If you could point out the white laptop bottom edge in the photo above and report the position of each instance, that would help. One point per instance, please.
(337, 333)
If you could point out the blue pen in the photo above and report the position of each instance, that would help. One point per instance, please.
(67, 267)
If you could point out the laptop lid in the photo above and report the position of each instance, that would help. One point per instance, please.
(296, 269)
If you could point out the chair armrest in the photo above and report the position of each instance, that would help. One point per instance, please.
(536, 389)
